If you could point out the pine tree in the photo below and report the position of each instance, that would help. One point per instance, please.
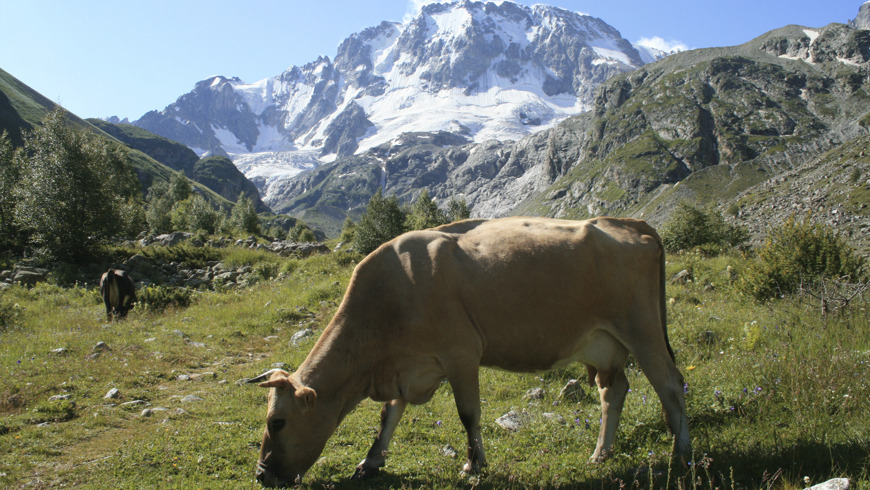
(382, 221)
(425, 214)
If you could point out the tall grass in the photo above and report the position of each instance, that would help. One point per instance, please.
(776, 394)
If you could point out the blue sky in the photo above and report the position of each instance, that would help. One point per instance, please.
(107, 57)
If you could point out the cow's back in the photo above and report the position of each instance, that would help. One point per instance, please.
(522, 292)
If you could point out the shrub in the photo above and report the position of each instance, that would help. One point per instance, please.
(158, 297)
(185, 253)
(797, 255)
(691, 227)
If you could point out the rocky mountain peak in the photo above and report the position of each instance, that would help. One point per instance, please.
(479, 69)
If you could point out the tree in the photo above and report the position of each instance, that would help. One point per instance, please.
(76, 189)
(382, 221)
(9, 176)
(457, 210)
(425, 214)
(244, 216)
(179, 187)
(160, 204)
(194, 214)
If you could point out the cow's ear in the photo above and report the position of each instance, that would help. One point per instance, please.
(306, 397)
(277, 382)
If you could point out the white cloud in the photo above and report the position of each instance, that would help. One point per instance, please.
(660, 44)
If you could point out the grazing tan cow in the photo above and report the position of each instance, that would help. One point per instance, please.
(521, 294)
(118, 293)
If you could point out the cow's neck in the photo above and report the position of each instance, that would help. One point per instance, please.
(336, 368)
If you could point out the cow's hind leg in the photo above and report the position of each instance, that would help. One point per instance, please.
(391, 413)
(612, 388)
(666, 379)
(466, 392)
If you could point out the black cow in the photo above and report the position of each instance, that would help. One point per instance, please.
(118, 293)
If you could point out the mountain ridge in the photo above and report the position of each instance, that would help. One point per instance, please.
(480, 70)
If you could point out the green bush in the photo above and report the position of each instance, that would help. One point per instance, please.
(159, 297)
(185, 253)
(691, 227)
(797, 255)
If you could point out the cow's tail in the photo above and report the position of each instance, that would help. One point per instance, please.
(663, 301)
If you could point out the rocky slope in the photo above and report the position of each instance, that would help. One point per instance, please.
(706, 125)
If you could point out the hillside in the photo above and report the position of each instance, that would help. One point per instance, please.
(216, 172)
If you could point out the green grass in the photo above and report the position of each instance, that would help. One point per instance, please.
(776, 393)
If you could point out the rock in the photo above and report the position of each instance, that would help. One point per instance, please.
(300, 336)
(150, 411)
(512, 420)
(59, 397)
(192, 399)
(60, 351)
(683, 277)
(573, 391)
(183, 377)
(534, 394)
(28, 276)
(835, 484)
(133, 403)
(100, 347)
(114, 393)
(448, 451)
(173, 239)
(553, 417)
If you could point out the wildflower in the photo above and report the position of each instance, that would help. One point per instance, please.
(691, 367)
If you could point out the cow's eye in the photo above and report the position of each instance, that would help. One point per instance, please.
(275, 425)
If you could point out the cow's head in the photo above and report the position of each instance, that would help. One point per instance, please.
(296, 430)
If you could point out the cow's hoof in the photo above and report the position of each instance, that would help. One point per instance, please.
(363, 473)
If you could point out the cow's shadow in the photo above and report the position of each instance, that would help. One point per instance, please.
(754, 467)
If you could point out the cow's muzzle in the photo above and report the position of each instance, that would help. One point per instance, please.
(269, 479)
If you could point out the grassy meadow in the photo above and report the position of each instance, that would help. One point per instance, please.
(777, 394)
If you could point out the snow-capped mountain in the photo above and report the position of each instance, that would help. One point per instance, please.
(481, 70)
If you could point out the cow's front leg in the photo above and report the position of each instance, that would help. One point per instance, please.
(466, 391)
(391, 413)
(612, 386)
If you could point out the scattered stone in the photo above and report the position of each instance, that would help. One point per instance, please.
(282, 365)
(300, 336)
(101, 347)
(573, 391)
(835, 484)
(512, 421)
(683, 276)
(150, 411)
(60, 351)
(553, 417)
(534, 394)
(59, 397)
(133, 403)
(448, 451)
(192, 399)
(183, 377)
(114, 393)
